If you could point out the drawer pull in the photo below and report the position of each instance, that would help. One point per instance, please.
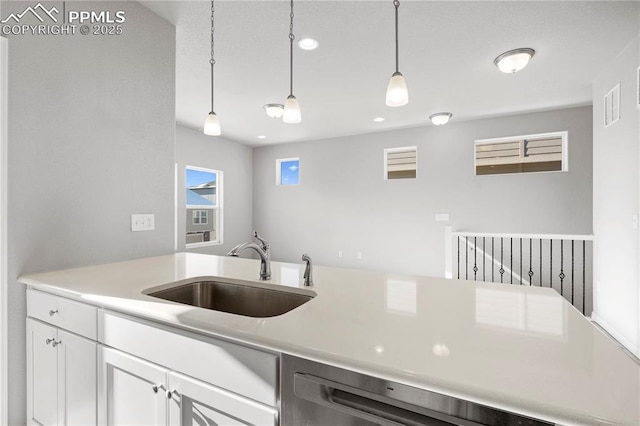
(50, 340)
(53, 312)
(56, 343)
(158, 387)
(172, 393)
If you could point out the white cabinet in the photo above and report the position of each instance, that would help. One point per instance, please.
(195, 403)
(131, 390)
(61, 376)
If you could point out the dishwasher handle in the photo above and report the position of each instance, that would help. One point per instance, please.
(360, 403)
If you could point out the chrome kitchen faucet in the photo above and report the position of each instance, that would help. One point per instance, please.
(263, 251)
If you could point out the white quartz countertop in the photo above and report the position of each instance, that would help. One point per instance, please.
(517, 348)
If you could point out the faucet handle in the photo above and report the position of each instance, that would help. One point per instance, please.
(264, 243)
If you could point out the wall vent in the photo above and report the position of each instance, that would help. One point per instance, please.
(612, 106)
(401, 163)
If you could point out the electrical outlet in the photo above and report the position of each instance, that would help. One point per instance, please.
(143, 222)
(359, 255)
(340, 254)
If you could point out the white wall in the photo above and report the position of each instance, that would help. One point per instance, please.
(616, 200)
(344, 204)
(194, 148)
(91, 141)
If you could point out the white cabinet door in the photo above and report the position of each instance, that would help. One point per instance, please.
(77, 380)
(131, 391)
(195, 403)
(42, 374)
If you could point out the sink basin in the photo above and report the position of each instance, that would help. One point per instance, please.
(234, 298)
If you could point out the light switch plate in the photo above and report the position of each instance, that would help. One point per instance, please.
(143, 222)
(442, 217)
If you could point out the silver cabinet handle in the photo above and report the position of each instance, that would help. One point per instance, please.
(53, 312)
(50, 340)
(56, 343)
(172, 393)
(158, 387)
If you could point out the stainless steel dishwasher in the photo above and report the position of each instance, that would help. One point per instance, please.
(315, 394)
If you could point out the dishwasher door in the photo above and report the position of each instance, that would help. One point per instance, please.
(315, 394)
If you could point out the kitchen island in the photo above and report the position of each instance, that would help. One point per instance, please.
(516, 348)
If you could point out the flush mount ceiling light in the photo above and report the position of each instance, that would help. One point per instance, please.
(308, 43)
(274, 110)
(212, 124)
(378, 119)
(292, 112)
(440, 118)
(397, 93)
(514, 60)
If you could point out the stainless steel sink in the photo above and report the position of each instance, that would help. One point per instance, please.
(234, 298)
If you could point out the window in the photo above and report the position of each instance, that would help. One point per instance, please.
(545, 152)
(288, 171)
(200, 217)
(401, 163)
(203, 194)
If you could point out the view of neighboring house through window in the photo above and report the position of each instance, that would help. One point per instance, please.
(288, 171)
(203, 206)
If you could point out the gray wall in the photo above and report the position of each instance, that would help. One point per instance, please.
(91, 140)
(616, 192)
(194, 148)
(344, 204)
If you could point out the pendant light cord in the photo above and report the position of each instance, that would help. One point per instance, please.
(212, 61)
(396, 3)
(291, 38)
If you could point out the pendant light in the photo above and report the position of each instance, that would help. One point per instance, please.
(397, 93)
(292, 112)
(212, 124)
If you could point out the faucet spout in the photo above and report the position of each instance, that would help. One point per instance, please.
(265, 257)
(308, 271)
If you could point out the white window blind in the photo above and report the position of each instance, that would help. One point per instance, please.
(401, 163)
(521, 154)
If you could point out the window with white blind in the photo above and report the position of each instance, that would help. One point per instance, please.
(401, 163)
(545, 152)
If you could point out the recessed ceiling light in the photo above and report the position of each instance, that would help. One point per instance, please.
(514, 60)
(378, 119)
(308, 43)
(274, 110)
(262, 137)
(440, 118)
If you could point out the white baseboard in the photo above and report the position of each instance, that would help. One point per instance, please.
(622, 340)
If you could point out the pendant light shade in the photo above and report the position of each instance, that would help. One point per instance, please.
(212, 125)
(292, 113)
(397, 93)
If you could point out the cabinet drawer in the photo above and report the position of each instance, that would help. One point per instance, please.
(236, 368)
(64, 313)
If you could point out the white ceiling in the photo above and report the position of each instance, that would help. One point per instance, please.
(446, 54)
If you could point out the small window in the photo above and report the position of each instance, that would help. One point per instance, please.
(200, 217)
(522, 154)
(401, 163)
(288, 171)
(203, 194)
(612, 106)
